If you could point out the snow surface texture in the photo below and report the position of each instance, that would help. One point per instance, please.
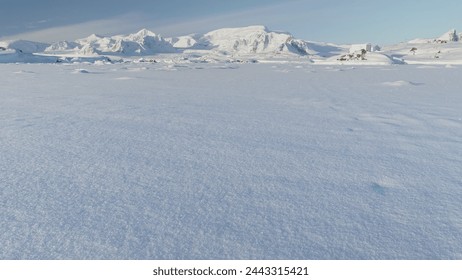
(230, 161)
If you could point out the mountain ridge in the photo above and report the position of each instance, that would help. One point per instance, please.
(255, 42)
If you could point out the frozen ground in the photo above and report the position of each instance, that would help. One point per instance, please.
(230, 161)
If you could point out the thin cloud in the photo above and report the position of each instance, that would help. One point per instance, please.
(267, 15)
(121, 24)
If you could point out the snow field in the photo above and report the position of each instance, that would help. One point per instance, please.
(257, 161)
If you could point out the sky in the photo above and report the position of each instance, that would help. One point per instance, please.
(334, 21)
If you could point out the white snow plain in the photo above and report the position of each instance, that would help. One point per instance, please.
(230, 161)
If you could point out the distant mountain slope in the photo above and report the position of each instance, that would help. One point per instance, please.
(24, 46)
(144, 42)
(244, 41)
(19, 56)
(254, 39)
(445, 49)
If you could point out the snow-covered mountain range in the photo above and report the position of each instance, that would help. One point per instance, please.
(247, 40)
(253, 43)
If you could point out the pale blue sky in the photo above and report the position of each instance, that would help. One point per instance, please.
(334, 21)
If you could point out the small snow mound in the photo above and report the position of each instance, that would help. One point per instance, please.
(124, 78)
(23, 72)
(400, 84)
(81, 71)
(378, 188)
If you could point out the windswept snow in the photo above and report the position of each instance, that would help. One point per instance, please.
(230, 161)
(241, 143)
(400, 83)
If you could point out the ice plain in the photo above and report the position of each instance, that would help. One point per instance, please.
(230, 161)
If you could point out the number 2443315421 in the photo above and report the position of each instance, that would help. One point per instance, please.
(281, 271)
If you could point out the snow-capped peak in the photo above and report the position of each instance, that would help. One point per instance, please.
(89, 39)
(145, 33)
(256, 39)
(140, 36)
(143, 42)
(240, 30)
